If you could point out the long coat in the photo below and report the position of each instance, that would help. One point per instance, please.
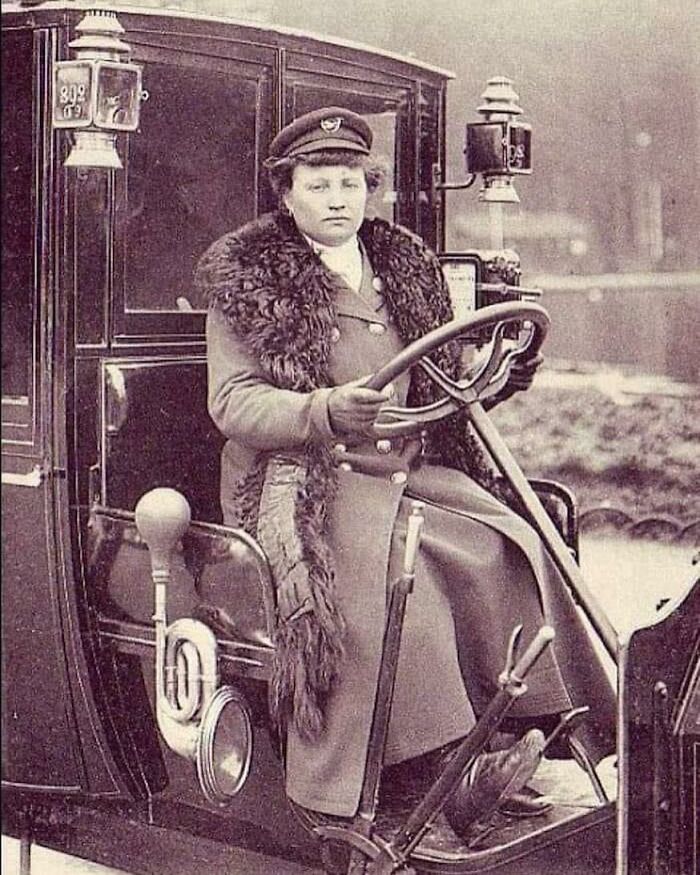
(481, 569)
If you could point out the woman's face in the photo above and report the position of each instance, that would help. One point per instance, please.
(327, 203)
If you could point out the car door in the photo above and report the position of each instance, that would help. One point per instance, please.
(39, 733)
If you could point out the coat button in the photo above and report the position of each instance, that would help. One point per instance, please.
(377, 284)
(340, 448)
(383, 446)
(399, 477)
(345, 466)
(376, 328)
(335, 334)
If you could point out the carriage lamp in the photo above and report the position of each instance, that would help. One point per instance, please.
(98, 94)
(499, 147)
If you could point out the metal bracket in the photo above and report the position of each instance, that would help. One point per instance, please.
(32, 479)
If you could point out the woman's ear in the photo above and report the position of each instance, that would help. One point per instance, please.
(286, 207)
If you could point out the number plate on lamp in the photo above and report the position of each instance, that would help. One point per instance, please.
(100, 93)
(72, 95)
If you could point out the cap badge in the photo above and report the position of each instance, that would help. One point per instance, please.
(331, 125)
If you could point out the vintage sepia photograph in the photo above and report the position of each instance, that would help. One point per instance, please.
(350, 437)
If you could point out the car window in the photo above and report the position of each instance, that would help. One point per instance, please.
(17, 217)
(191, 177)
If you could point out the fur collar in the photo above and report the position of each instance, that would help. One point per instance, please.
(278, 295)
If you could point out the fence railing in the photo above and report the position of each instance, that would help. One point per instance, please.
(653, 527)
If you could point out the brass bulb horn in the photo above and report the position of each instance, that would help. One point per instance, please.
(205, 723)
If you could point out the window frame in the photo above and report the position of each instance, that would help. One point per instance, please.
(256, 64)
(21, 414)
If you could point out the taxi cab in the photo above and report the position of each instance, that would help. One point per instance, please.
(120, 691)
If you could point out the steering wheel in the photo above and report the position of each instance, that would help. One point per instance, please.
(489, 379)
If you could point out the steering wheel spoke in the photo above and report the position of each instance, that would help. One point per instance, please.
(459, 390)
(488, 380)
(404, 421)
(493, 363)
(493, 376)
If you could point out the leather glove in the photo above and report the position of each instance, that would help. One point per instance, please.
(352, 408)
(522, 373)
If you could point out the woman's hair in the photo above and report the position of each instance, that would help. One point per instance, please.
(281, 170)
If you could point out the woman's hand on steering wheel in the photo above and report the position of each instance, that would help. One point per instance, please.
(353, 408)
(522, 373)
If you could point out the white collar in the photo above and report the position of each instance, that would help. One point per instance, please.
(345, 259)
(343, 250)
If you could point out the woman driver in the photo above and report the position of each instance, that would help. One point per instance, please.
(304, 303)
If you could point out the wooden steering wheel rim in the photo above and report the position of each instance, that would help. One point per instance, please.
(400, 421)
(486, 316)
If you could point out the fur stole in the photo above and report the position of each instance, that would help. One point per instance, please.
(277, 296)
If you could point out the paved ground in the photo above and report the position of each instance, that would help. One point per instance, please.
(629, 578)
(171, 854)
(47, 862)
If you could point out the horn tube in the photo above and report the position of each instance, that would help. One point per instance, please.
(186, 651)
(199, 720)
(186, 680)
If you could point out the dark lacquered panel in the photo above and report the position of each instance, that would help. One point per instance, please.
(156, 431)
(20, 153)
(91, 240)
(39, 740)
(660, 811)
